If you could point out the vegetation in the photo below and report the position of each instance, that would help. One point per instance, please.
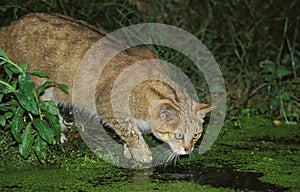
(32, 123)
(257, 47)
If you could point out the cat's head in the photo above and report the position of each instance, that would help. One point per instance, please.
(179, 127)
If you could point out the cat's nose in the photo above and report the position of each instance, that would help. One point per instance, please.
(187, 150)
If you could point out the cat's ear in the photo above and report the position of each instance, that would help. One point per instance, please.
(167, 113)
(203, 108)
(163, 110)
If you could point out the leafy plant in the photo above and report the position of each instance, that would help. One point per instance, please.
(33, 123)
(273, 76)
(278, 77)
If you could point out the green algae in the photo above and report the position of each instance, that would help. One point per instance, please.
(264, 148)
(263, 157)
(91, 179)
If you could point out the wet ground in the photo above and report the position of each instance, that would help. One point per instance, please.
(250, 154)
(218, 178)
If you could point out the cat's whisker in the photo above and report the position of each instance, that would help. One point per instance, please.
(162, 157)
(165, 157)
(196, 151)
(168, 157)
(194, 154)
(176, 158)
(172, 156)
(191, 155)
(157, 162)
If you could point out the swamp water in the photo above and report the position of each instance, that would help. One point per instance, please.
(244, 158)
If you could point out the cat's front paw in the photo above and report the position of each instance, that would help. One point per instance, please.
(63, 138)
(140, 155)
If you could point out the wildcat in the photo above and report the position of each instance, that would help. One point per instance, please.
(56, 44)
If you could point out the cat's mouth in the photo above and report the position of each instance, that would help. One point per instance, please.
(184, 151)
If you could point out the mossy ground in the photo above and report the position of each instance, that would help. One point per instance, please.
(266, 157)
(264, 148)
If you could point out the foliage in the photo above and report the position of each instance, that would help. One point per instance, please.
(33, 123)
(242, 36)
(106, 14)
(279, 77)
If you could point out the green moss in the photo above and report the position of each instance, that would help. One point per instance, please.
(271, 150)
(102, 178)
(267, 157)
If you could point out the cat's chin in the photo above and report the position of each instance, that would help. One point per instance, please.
(182, 153)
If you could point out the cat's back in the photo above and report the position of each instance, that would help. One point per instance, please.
(53, 43)
(57, 45)
(48, 41)
(41, 38)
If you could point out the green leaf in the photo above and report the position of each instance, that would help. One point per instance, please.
(8, 71)
(2, 54)
(26, 84)
(8, 115)
(24, 66)
(4, 107)
(11, 68)
(38, 73)
(27, 141)
(9, 106)
(17, 124)
(282, 72)
(7, 90)
(39, 147)
(54, 124)
(268, 77)
(286, 96)
(48, 106)
(27, 102)
(25, 95)
(2, 120)
(41, 89)
(43, 130)
(269, 66)
(11, 103)
(63, 88)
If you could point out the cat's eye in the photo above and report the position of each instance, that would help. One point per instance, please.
(196, 135)
(179, 136)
